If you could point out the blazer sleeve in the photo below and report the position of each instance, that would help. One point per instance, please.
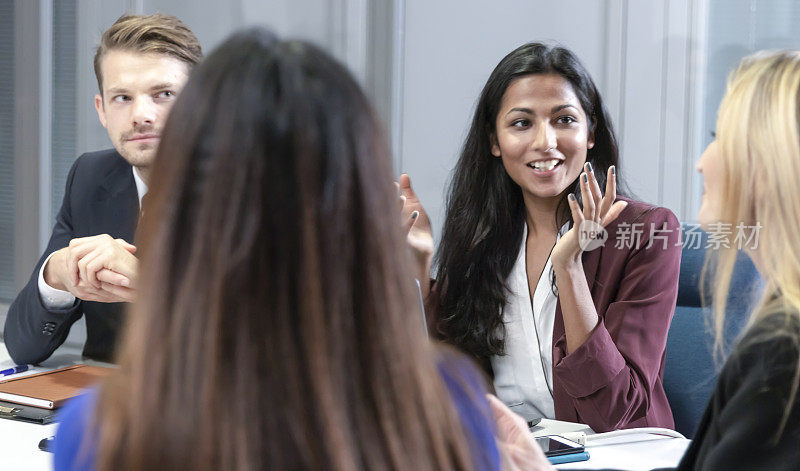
(742, 425)
(32, 332)
(611, 377)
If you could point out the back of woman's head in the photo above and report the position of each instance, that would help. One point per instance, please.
(485, 211)
(276, 327)
(758, 136)
(758, 133)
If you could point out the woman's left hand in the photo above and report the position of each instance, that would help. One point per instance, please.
(598, 211)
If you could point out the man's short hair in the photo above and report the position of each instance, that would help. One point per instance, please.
(159, 33)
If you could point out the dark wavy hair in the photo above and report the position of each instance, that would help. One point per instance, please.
(485, 212)
(272, 325)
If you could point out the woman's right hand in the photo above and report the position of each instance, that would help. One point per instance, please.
(419, 235)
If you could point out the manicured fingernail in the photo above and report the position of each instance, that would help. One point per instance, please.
(589, 167)
(614, 170)
(571, 196)
(585, 178)
(414, 215)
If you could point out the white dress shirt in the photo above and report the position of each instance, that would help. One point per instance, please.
(54, 299)
(523, 377)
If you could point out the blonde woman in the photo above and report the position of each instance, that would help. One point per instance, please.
(750, 175)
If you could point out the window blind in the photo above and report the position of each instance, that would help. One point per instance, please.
(6, 150)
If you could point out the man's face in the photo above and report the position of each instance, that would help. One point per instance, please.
(138, 92)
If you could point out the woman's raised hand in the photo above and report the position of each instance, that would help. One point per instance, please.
(598, 211)
(419, 236)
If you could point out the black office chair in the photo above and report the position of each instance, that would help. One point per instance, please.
(690, 372)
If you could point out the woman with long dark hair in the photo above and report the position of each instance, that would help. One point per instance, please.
(569, 328)
(278, 325)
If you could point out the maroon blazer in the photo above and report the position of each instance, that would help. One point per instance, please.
(615, 379)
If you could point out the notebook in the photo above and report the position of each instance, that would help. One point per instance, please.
(50, 389)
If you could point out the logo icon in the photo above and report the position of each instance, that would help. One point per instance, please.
(591, 235)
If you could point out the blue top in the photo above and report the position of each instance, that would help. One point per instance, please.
(462, 380)
(74, 420)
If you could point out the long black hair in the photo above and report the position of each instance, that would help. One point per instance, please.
(274, 281)
(485, 211)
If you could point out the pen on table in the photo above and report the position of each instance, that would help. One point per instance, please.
(15, 370)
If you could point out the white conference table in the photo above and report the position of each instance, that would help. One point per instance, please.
(19, 441)
(640, 453)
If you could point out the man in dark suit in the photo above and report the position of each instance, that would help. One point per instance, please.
(89, 267)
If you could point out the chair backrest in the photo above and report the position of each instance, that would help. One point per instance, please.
(690, 372)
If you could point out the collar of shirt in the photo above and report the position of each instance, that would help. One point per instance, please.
(141, 186)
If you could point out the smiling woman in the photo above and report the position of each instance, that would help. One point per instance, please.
(566, 332)
(542, 134)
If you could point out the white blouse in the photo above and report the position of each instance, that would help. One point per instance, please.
(523, 377)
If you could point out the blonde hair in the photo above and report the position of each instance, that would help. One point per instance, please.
(758, 133)
(159, 34)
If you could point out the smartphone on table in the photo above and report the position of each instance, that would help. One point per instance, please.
(553, 445)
